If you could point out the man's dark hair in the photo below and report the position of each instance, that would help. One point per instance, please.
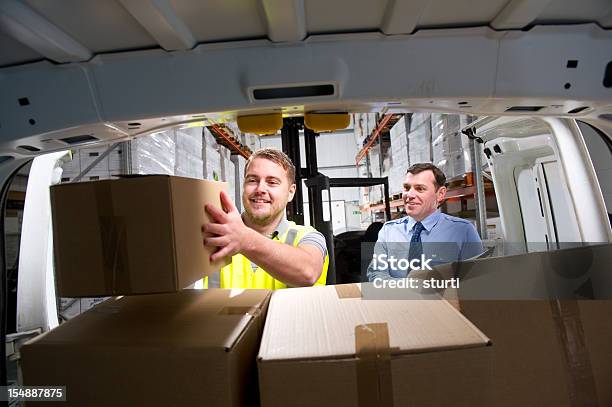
(438, 174)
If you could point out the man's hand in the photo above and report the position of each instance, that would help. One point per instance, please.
(226, 230)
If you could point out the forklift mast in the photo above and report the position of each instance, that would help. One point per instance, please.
(316, 184)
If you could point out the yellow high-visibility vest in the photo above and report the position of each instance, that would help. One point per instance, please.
(239, 273)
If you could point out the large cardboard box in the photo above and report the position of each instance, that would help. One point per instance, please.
(561, 348)
(546, 333)
(195, 347)
(135, 235)
(325, 346)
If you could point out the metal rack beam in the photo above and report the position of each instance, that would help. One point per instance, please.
(381, 125)
(221, 133)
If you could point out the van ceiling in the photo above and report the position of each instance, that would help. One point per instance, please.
(67, 67)
(75, 30)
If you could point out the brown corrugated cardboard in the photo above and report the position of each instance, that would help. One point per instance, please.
(131, 236)
(187, 348)
(546, 352)
(326, 346)
(570, 364)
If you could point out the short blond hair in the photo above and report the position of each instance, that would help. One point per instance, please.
(276, 156)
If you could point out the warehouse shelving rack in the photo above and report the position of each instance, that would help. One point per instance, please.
(384, 124)
(226, 138)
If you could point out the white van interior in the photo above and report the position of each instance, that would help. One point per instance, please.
(533, 77)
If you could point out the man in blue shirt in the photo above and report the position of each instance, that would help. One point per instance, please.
(425, 234)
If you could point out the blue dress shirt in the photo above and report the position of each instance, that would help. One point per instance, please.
(445, 239)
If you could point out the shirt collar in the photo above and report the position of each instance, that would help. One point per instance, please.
(282, 227)
(428, 223)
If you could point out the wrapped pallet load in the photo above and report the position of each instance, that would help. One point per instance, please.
(399, 156)
(419, 139)
(189, 161)
(154, 154)
(212, 159)
(109, 163)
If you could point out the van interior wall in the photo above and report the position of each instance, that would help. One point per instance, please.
(601, 156)
(505, 171)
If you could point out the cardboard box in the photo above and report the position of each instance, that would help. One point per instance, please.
(325, 346)
(135, 235)
(561, 348)
(196, 347)
(542, 339)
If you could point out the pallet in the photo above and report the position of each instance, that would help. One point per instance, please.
(461, 181)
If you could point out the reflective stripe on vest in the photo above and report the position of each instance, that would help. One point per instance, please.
(239, 273)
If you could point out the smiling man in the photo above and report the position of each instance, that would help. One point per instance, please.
(267, 250)
(426, 233)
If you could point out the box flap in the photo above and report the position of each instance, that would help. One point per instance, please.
(320, 322)
(213, 318)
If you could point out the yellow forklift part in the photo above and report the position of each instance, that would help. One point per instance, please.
(326, 121)
(261, 123)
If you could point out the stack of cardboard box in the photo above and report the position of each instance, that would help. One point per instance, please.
(330, 346)
(163, 346)
(108, 167)
(326, 345)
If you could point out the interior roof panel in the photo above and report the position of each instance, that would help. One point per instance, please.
(324, 16)
(216, 20)
(107, 26)
(101, 26)
(14, 52)
(448, 13)
(566, 11)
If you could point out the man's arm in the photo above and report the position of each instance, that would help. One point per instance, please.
(380, 248)
(295, 266)
(472, 245)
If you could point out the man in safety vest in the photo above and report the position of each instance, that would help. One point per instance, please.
(267, 250)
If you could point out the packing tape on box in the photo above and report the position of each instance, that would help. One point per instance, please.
(566, 317)
(253, 311)
(114, 241)
(348, 291)
(374, 385)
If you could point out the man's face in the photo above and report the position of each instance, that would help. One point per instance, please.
(266, 191)
(421, 198)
